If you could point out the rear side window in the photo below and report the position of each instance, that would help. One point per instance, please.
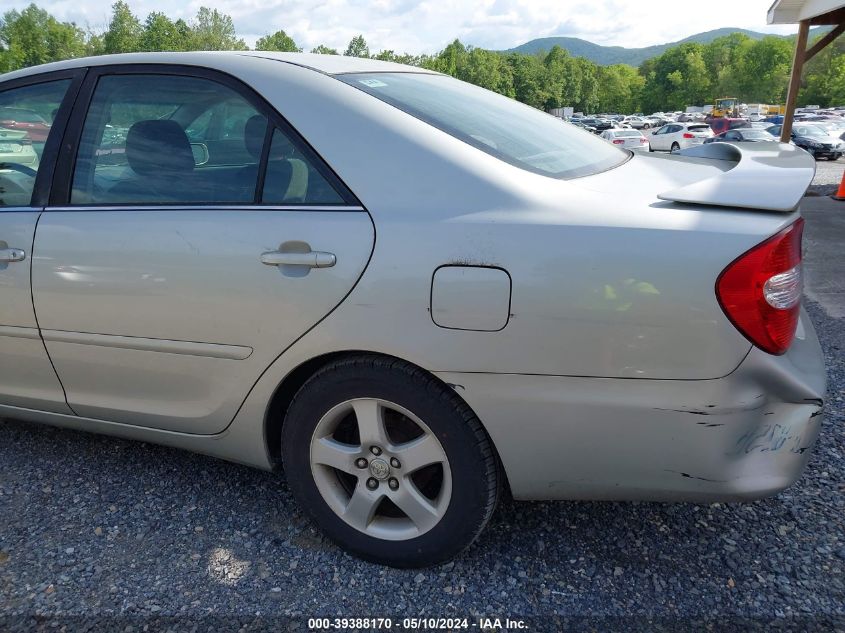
(26, 116)
(292, 179)
(511, 131)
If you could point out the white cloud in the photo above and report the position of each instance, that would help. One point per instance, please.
(426, 26)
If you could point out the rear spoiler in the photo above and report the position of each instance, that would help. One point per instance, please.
(769, 176)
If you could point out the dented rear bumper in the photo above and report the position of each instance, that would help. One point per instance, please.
(744, 436)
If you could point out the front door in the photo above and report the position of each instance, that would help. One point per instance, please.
(190, 252)
(27, 378)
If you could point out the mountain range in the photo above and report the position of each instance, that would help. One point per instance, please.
(606, 55)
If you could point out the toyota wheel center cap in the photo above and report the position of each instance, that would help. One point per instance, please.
(379, 469)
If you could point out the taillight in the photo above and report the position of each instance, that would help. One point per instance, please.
(688, 135)
(618, 141)
(760, 291)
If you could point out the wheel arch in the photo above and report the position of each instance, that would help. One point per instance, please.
(276, 411)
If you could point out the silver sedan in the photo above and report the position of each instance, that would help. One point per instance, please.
(408, 292)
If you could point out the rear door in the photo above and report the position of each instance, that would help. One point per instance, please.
(192, 240)
(27, 378)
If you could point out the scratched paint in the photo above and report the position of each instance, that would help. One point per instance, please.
(772, 438)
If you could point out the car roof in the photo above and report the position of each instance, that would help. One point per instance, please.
(327, 64)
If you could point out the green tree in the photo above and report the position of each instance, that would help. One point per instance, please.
(762, 71)
(619, 88)
(824, 78)
(721, 57)
(322, 49)
(215, 31)
(124, 32)
(586, 74)
(162, 34)
(489, 70)
(33, 36)
(677, 78)
(529, 85)
(278, 41)
(399, 58)
(449, 60)
(357, 47)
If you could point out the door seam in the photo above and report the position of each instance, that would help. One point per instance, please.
(35, 311)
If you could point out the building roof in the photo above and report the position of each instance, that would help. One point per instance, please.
(817, 11)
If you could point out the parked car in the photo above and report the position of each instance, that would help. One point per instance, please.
(814, 140)
(834, 128)
(18, 165)
(723, 124)
(600, 125)
(584, 127)
(517, 322)
(742, 135)
(638, 123)
(677, 136)
(16, 148)
(757, 125)
(35, 126)
(627, 139)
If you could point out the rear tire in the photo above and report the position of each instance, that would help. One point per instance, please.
(675, 148)
(397, 418)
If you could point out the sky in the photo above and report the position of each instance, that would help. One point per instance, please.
(426, 26)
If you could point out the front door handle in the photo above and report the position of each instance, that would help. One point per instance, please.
(12, 255)
(312, 259)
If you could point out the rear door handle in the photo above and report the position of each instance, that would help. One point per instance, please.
(312, 259)
(12, 255)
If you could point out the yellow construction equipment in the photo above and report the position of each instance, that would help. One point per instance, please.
(726, 107)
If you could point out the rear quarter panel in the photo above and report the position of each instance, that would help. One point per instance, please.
(603, 284)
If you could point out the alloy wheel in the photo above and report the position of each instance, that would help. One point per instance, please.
(380, 469)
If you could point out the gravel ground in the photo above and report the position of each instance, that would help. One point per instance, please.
(104, 534)
(828, 176)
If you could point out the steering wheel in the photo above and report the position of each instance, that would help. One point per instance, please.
(28, 171)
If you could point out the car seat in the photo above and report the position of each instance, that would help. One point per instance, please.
(159, 154)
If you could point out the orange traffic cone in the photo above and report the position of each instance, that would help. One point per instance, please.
(840, 195)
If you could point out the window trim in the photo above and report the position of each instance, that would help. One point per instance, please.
(58, 128)
(62, 181)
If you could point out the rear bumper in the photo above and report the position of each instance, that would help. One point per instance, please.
(744, 436)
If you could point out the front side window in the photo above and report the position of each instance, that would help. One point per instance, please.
(511, 131)
(26, 116)
(157, 139)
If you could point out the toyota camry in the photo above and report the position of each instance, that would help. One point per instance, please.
(408, 292)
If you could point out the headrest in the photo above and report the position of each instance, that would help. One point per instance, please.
(158, 147)
(254, 130)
